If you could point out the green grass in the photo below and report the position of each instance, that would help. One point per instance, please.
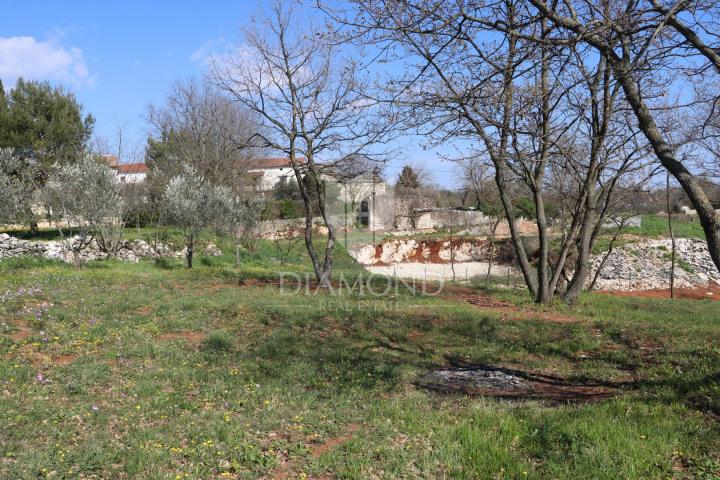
(657, 226)
(651, 226)
(150, 372)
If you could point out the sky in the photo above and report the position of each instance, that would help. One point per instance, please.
(119, 57)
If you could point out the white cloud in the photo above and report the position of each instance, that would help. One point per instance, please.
(27, 57)
(204, 54)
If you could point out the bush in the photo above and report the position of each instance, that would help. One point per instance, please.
(524, 207)
(288, 209)
(218, 342)
(281, 209)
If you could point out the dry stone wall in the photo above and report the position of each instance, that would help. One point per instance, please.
(129, 250)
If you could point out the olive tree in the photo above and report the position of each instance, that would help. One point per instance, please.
(16, 187)
(85, 196)
(194, 205)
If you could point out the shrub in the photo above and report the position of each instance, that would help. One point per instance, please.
(218, 342)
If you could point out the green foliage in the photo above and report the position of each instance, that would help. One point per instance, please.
(45, 123)
(286, 190)
(16, 184)
(86, 195)
(17, 264)
(165, 263)
(408, 179)
(524, 207)
(657, 226)
(288, 209)
(491, 208)
(194, 205)
(163, 164)
(218, 342)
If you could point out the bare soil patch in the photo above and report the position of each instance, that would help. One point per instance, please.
(20, 335)
(711, 292)
(63, 359)
(286, 469)
(507, 383)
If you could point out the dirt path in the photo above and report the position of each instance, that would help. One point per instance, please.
(507, 310)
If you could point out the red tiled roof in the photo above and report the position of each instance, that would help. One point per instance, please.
(276, 162)
(111, 160)
(131, 168)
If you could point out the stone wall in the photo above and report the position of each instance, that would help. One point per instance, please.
(271, 229)
(433, 219)
(129, 250)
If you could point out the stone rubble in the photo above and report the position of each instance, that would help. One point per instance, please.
(646, 265)
(128, 251)
(473, 378)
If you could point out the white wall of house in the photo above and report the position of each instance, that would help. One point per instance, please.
(131, 177)
(273, 176)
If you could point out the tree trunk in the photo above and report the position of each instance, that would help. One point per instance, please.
(582, 265)
(190, 247)
(706, 213)
(544, 295)
(34, 230)
(514, 233)
(672, 235)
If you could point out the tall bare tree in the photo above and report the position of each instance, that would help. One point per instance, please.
(198, 125)
(309, 101)
(644, 40)
(477, 71)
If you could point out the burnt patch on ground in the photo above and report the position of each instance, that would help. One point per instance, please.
(500, 382)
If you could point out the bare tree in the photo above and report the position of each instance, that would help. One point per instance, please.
(476, 174)
(309, 103)
(642, 41)
(199, 126)
(480, 71)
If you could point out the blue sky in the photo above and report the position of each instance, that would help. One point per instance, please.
(120, 56)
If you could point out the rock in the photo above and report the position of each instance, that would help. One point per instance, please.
(392, 252)
(128, 251)
(212, 250)
(646, 265)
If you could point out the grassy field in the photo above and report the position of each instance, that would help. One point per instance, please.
(657, 226)
(153, 371)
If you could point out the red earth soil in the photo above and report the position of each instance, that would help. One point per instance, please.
(700, 293)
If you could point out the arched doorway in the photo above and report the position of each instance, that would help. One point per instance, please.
(363, 216)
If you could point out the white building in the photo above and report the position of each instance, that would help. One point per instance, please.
(269, 172)
(359, 192)
(132, 173)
